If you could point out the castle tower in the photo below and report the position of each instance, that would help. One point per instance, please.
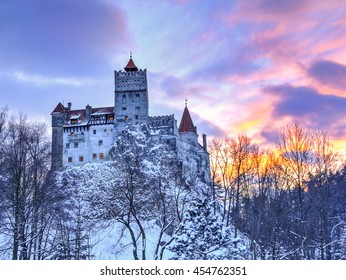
(58, 119)
(187, 129)
(131, 96)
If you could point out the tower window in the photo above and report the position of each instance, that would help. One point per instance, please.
(124, 108)
(69, 159)
(138, 108)
(137, 97)
(67, 145)
(94, 131)
(94, 156)
(111, 117)
(126, 118)
(76, 144)
(136, 117)
(102, 156)
(100, 142)
(81, 158)
(124, 99)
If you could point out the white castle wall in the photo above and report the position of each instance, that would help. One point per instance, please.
(88, 144)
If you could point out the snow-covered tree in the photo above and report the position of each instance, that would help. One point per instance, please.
(72, 228)
(203, 235)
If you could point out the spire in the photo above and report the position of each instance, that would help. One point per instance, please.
(59, 108)
(130, 65)
(186, 124)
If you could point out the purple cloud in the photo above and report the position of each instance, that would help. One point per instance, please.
(173, 87)
(271, 135)
(231, 64)
(59, 37)
(178, 89)
(206, 127)
(281, 6)
(308, 106)
(328, 72)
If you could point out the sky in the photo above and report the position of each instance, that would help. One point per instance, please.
(247, 67)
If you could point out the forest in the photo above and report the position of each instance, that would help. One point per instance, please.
(279, 203)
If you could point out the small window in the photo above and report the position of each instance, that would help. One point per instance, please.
(94, 131)
(105, 130)
(69, 159)
(101, 156)
(124, 99)
(126, 118)
(124, 108)
(111, 117)
(100, 142)
(72, 134)
(74, 121)
(94, 156)
(137, 97)
(76, 144)
(138, 108)
(67, 145)
(136, 117)
(81, 158)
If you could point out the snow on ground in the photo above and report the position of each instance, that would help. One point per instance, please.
(107, 245)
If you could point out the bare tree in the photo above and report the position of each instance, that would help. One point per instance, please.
(25, 159)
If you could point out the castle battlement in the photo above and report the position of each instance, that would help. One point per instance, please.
(122, 73)
(130, 81)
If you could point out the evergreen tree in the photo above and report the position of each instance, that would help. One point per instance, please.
(202, 235)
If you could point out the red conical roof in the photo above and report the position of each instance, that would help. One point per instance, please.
(59, 108)
(130, 65)
(186, 124)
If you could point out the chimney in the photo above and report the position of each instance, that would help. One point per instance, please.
(204, 142)
(88, 110)
(69, 106)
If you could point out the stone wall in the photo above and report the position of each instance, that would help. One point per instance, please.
(131, 103)
(87, 144)
(58, 120)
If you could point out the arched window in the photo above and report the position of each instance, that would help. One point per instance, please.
(124, 99)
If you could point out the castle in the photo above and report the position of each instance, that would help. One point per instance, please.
(86, 135)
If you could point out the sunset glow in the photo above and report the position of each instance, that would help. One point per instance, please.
(246, 67)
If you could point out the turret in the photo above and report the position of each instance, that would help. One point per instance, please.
(131, 96)
(58, 119)
(187, 129)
